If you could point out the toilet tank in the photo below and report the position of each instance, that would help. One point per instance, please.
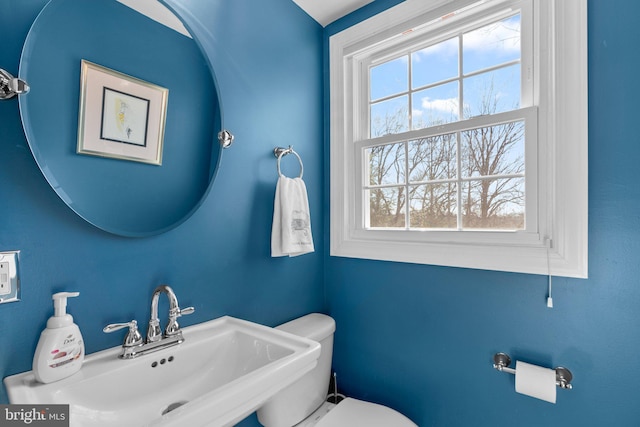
(303, 397)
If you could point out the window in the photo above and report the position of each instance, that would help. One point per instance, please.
(458, 136)
(464, 168)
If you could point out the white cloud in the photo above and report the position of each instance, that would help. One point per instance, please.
(447, 106)
(503, 36)
(446, 48)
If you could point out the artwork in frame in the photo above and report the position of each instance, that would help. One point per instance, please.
(120, 117)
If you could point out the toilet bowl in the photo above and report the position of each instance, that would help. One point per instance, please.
(303, 404)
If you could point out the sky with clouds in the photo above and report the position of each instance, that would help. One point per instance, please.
(435, 87)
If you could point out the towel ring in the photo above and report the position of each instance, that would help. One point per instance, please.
(281, 152)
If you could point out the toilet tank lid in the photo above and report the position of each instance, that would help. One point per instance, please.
(314, 326)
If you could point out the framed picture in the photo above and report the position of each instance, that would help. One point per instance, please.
(120, 116)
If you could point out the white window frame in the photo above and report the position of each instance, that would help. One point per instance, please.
(558, 244)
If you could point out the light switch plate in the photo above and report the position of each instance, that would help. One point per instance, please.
(9, 277)
(5, 282)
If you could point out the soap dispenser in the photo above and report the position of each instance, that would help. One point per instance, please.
(60, 350)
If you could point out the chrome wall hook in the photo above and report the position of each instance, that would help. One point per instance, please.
(11, 86)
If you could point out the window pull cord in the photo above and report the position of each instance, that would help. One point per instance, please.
(549, 298)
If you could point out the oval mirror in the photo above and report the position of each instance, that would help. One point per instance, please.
(109, 147)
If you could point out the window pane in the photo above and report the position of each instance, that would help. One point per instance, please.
(386, 164)
(496, 204)
(495, 150)
(389, 78)
(390, 117)
(435, 63)
(492, 92)
(386, 207)
(435, 106)
(433, 206)
(433, 158)
(491, 45)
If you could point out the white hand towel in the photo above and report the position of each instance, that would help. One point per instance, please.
(291, 229)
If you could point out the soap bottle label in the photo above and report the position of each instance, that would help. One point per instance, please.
(70, 350)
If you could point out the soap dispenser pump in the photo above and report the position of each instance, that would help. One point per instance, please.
(60, 350)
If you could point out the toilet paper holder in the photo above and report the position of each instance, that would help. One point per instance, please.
(501, 362)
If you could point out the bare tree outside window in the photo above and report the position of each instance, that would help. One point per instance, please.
(470, 179)
(425, 172)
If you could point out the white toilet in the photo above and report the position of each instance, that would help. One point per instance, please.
(303, 403)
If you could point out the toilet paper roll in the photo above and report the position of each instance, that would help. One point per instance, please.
(536, 381)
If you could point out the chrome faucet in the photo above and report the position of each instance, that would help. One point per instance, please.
(172, 329)
(134, 345)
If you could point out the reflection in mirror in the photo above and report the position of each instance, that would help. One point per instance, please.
(123, 197)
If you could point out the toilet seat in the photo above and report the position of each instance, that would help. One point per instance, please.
(357, 413)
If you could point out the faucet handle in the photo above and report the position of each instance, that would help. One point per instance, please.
(185, 311)
(133, 337)
(173, 328)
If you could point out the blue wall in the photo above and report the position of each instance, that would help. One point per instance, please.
(421, 338)
(219, 260)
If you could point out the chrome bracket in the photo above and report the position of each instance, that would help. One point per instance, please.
(225, 138)
(281, 151)
(11, 86)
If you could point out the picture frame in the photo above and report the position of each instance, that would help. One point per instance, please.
(120, 116)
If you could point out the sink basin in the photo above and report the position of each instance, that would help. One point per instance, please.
(223, 371)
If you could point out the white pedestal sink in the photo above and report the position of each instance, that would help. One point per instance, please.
(223, 371)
